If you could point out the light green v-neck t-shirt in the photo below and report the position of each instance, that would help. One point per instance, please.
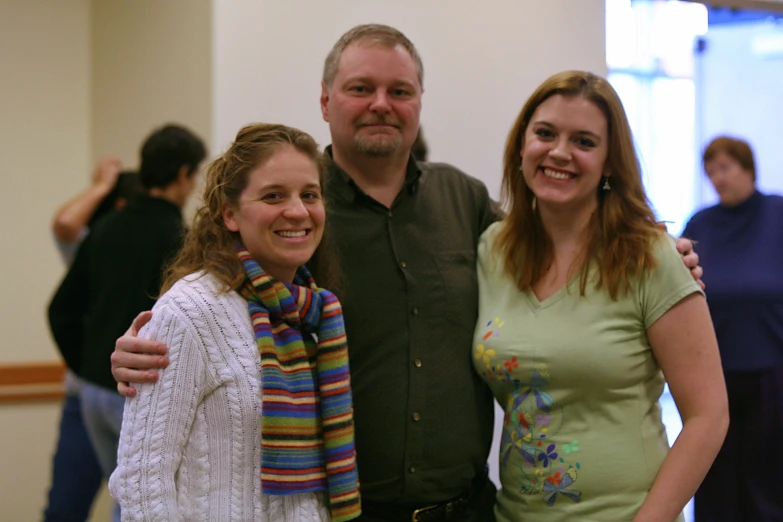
(582, 436)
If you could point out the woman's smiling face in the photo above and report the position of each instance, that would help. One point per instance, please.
(564, 152)
(280, 216)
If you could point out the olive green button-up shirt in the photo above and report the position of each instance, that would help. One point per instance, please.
(424, 420)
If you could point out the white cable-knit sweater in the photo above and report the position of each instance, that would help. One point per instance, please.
(190, 447)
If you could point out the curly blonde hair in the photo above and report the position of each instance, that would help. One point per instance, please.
(209, 246)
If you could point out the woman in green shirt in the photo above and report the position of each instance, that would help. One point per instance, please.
(585, 309)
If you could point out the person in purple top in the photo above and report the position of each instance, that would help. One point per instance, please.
(741, 249)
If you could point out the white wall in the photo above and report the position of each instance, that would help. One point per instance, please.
(481, 61)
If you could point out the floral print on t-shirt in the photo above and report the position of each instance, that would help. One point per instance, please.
(532, 421)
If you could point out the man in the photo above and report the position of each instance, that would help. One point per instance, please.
(406, 233)
(117, 273)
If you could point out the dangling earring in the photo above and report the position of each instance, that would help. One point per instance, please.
(534, 204)
(606, 186)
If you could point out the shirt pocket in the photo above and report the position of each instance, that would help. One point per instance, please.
(457, 272)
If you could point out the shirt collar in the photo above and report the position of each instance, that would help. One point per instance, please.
(341, 183)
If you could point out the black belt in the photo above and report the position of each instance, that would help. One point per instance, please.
(428, 512)
(442, 511)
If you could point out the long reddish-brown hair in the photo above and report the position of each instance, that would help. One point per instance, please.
(622, 228)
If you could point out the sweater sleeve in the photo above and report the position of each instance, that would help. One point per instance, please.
(156, 423)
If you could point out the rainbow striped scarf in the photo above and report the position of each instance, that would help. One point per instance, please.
(307, 439)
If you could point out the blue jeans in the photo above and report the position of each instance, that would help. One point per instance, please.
(76, 473)
(102, 410)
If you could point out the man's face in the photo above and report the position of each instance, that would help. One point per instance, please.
(374, 102)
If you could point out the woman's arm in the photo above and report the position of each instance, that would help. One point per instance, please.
(683, 342)
(156, 425)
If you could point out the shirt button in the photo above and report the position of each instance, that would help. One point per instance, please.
(403, 264)
(391, 214)
(415, 311)
(412, 469)
(416, 417)
(417, 363)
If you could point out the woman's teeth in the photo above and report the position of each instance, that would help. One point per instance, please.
(292, 233)
(556, 175)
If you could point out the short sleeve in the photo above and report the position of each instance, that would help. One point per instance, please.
(667, 284)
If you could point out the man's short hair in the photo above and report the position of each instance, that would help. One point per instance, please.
(165, 152)
(371, 34)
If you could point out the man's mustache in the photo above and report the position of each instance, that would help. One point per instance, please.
(374, 120)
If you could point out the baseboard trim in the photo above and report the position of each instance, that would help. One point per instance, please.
(26, 382)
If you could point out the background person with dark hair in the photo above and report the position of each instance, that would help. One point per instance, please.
(741, 247)
(117, 273)
(111, 189)
(76, 472)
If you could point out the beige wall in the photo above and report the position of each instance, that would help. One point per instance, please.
(27, 441)
(151, 65)
(79, 78)
(44, 155)
(481, 60)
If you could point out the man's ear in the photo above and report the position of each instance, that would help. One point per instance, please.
(325, 101)
(229, 219)
(183, 173)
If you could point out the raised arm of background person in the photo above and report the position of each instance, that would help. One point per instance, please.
(74, 215)
(135, 359)
(683, 342)
(68, 309)
(156, 425)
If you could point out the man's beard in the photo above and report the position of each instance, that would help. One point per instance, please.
(378, 148)
(380, 145)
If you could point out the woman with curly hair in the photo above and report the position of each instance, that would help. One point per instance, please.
(252, 419)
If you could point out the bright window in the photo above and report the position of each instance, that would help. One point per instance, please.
(649, 53)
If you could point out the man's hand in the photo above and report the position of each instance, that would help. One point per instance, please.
(134, 359)
(689, 256)
(691, 259)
